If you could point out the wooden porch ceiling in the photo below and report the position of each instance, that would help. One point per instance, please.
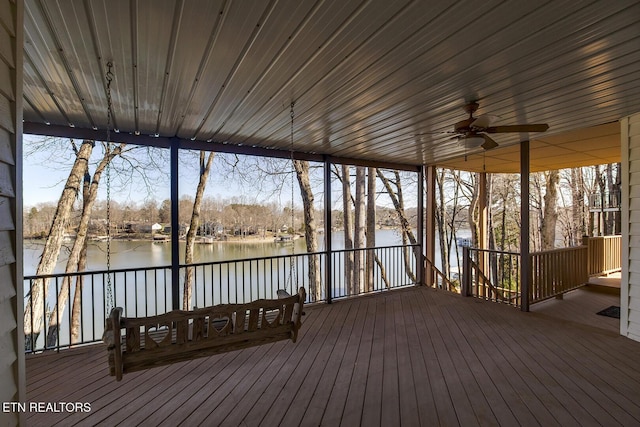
(583, 147)
(408, 357)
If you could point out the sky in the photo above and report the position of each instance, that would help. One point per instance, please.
(46, 169)
(47, 162)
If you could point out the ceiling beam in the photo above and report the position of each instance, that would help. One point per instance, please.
(33, 128)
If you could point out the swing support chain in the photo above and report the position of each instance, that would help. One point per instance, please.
(109, 298)
(292, 269)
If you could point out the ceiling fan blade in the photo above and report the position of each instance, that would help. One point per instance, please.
(488, 142)
(518, 128)
(482, 121)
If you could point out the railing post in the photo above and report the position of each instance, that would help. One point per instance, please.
(430, 223)
(328, 262)
(175, 227)
(466, 272)
(525, 261)
(421, 265)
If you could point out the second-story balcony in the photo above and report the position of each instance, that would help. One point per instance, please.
(607, 201)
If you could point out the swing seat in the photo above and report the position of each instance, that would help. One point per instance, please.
(135, 344)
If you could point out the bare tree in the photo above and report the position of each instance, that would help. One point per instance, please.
(35, 309)
(441, 223)
(578, 223)
(394, 190)
(311, 229)
(79, 243)
(371, 226)
(205, 168)
(359, 223)
(348, 229)
(550, 214)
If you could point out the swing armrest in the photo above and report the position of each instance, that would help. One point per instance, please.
(282, 293)
(113, 340)
(298, 312)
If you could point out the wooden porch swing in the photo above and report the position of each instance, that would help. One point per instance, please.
(135, 344)
(139, 343)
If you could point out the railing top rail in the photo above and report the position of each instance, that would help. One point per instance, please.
(494, 251)
(96, 272)
(199, 264)
(552, 251)
(300, 254)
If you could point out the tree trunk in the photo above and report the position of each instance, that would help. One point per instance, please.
(205, 167)
(398, 203)
(76, 311)
(310, 229)
(441, 222)
(473, 216)
(371, 226)
(577, 207)
(550, 214)
(55, 319)
(35, 306)
(601, 190)
(360, 225)
(348, 230)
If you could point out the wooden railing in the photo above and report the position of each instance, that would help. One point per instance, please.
(605, 254)
(497, 276)
(605, 201)
(491, 275)
(437, 279)
(557, 271)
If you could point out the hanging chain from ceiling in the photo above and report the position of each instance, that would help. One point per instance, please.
(109, 300)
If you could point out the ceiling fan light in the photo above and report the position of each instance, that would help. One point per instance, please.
(472, 141)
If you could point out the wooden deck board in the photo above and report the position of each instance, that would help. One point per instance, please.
(390, 392)
(499, 362)
(338, 394)
(443, 399)
(354, 402)
(309, 375)
(427, 411)
(372, 399)
(409, 414)
(310, 403)
(476, 362)
(272, 407)
(261, 379)
(407, 357)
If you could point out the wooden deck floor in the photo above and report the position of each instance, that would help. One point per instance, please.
(581, 307)
(409, 357)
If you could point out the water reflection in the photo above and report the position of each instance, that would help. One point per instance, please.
(135, 254)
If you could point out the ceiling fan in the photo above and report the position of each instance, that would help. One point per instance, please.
(474, 131)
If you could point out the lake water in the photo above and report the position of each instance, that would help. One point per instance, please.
(135, 254)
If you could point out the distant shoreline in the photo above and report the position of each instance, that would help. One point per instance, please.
(150, 238)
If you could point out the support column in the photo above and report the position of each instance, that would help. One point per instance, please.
(421, 265)
(328, 263)
(483, 220)
(483, 211)
(430, 229)
(525, 264)
(175, 226)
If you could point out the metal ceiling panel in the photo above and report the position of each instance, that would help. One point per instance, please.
(371, 79)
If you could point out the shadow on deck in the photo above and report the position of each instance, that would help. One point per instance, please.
(408, 357)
